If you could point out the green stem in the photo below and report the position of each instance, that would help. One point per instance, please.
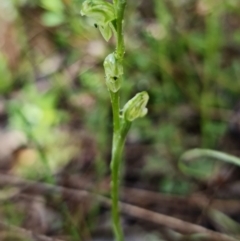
(118, 144)
(115, 110)
(115, 3)
(120, 9)
(120, 128)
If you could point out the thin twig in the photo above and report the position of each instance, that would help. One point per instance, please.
(173, 223)
(141, 197)
(26, 233)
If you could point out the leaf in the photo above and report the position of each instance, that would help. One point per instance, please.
(52, 19)
(53, 5)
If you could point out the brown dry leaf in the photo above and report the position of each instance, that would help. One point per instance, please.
(84, 101)
(204, 7)
(25, 160)
(9, 42)
(39, 218)
(10, 141)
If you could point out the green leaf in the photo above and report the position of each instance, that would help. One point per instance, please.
(6, 77)
(53, 5)
(191, 156)
(52, 19)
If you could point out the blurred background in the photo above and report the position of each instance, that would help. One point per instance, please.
(56, 122)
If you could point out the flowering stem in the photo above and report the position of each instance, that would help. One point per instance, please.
(118, 144)
(115, 110)
(120, 9)
(120, 128)
(110, 17)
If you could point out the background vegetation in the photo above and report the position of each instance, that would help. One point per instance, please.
(55, 113)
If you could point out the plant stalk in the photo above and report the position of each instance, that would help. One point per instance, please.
(115, 110)
(118, 145)
(120, 9)
(120, 128)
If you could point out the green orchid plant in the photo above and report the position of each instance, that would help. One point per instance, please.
(108, 19)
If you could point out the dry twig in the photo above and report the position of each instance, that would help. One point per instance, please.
(25, 233)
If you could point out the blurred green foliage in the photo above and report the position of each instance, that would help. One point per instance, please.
(184, 53)
(178, 52)
(6, 78)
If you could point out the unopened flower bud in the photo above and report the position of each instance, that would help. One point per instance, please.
(136, 107)
(114, 71)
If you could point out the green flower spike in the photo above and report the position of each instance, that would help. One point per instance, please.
(136, 107)
(103, 13)
(114, 71)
